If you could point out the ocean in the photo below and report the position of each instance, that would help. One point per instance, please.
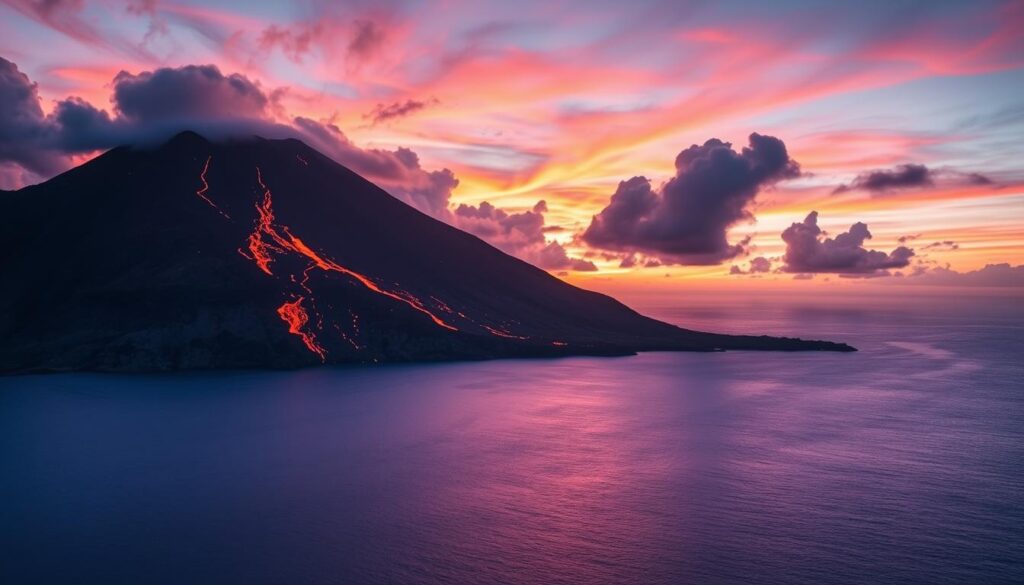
(901, 463)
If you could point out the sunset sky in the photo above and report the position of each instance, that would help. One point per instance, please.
(905, 116)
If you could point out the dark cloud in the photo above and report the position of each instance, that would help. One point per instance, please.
(428, 191)
(149, 107)
(80, 127)
(686, 220)
(632, 260)
(25, 132)
(759, 265)
(189, 92)
(386, 112)
(908, 176)
(902, 177)
(808, 251)
(553, 257)
(519, 234)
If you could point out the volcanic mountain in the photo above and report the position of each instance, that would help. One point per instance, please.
(266, 253)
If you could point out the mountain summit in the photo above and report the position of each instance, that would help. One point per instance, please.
(266, 253)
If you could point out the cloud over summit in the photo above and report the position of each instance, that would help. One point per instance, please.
(153, 105)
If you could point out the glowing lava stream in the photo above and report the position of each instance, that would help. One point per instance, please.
(206, 187)
(295, 316)
(281, 241)
(500, 333)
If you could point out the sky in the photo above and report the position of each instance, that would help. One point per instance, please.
(654, 145)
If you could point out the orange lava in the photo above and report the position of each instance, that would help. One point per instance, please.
(346, 337)
(296, 317)
(269, 237)
(441, 305)
(259, 248)
(206, 187)
(329, 265)
(501, 333)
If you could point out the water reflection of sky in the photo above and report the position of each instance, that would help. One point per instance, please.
(896, 462)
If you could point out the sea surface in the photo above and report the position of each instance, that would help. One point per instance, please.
(901, 463)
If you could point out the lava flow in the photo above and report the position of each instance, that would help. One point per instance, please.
(329, 265)
(269, 237)
(296, 317)
(201, 192)
(500, 333)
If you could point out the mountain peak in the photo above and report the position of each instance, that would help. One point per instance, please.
(243, 254)
(186, 138)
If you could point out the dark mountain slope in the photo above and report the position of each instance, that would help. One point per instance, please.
(265, 253)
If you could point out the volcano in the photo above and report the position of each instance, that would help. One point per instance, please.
(264, 253)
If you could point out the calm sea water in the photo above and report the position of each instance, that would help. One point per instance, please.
(903, 463)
